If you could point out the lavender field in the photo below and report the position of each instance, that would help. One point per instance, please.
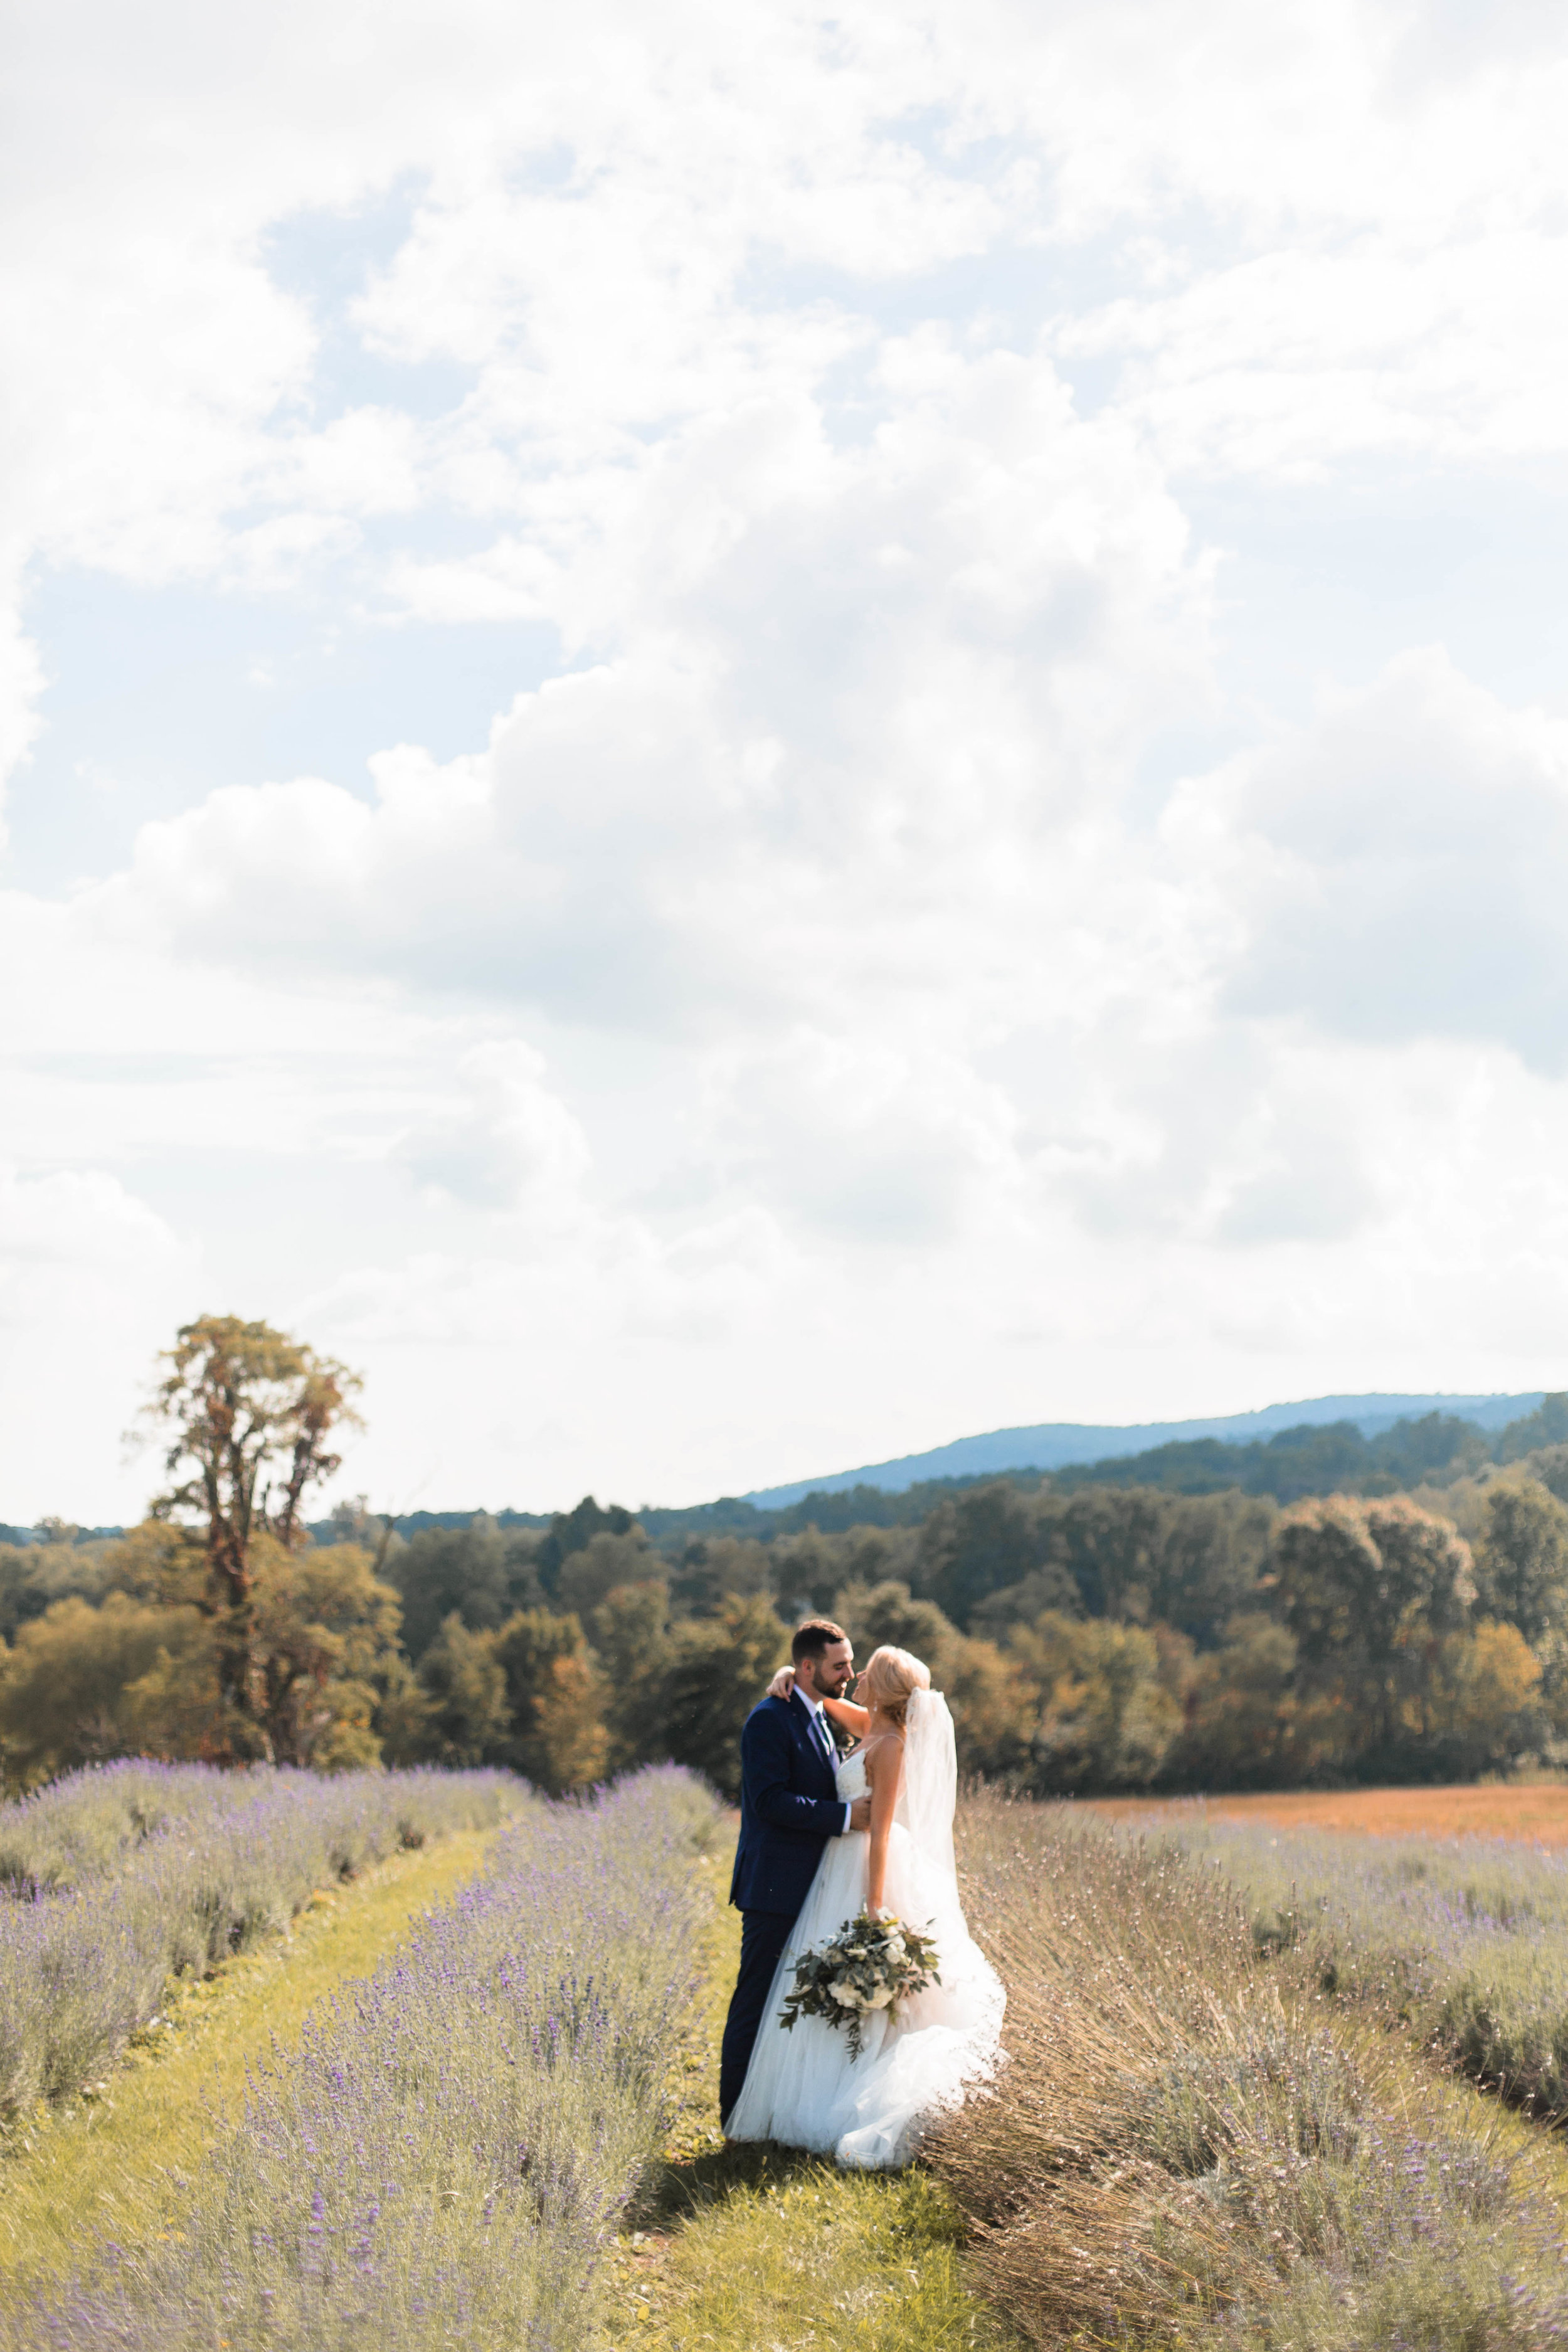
(118, 1878)
(1193, 2145)
(1466, 1937)
(1228, 2116)
(442, 2161)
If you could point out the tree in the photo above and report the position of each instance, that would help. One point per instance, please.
(1106, 1721)
(808, 1569)
(161, 1561)
(1369, 1588)
(1547, 1426)
(995, 1617)
(1205, 1559)
(324, 1654)
(466, 1720)
(1108, 1541)
(326, 1628)
(887, 1612)
(977, 1544)
(631, 1642)
(33, 1575)
(716, 1565)
(1241, 1723)
(570, 1531)
(1481, 1711)
(82, 1684)
(717, 1669)
(595, 1569)
(1521, 1561)
(995, 1707)
(482, 1574)
(555, 1696)
(237, 1400)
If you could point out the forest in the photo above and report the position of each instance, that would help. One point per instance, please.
(1317, 1608)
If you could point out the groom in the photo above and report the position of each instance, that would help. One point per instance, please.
(788, 1811)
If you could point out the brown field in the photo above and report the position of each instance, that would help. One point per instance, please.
(1535, 1813)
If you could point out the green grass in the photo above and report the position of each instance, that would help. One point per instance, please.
(110, 2163)
(767, 2250)
(774, 2251)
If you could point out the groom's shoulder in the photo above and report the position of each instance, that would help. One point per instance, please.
(769, 1710)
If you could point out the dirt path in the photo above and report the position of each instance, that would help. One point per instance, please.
(1535, 1814)
(111, 2165)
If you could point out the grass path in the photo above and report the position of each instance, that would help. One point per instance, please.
(759, 2250)
(762, 2251)
(110, 2165)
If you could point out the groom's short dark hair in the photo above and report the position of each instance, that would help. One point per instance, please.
(817, 1633)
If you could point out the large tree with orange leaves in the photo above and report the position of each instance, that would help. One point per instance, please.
(246, 1415)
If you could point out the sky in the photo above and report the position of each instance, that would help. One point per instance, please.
(737, 739)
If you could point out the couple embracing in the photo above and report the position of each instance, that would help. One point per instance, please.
(825, 1836)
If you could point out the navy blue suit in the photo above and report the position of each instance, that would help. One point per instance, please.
(788, 1811)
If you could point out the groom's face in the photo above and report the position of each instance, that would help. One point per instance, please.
(831, 1672)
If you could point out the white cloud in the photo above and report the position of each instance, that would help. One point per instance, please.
(811, 1018)
(868, 1146)
(1399, 864)
(89, 1281)
(873, 693)
(511, 1145)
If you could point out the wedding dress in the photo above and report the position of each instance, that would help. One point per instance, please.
(803, 2088)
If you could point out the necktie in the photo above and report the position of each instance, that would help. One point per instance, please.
(824, 1736)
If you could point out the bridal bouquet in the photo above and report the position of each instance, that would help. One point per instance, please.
(869, 1964)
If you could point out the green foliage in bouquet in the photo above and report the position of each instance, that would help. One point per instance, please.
(871, 1964)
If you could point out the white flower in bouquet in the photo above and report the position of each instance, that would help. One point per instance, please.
(871, 1965)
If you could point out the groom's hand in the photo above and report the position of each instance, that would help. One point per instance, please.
(860, 1813)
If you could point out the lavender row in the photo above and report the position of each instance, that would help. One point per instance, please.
(442, 2161)
(1188, 2148)
(123, 1878)
(90, 1824)
(1467, 1936)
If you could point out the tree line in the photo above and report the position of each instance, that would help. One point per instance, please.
(1091, 1636)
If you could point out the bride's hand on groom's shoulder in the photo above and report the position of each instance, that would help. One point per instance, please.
(782, 1684)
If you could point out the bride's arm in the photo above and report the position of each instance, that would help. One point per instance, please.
(885, 1770)
(854, 1719)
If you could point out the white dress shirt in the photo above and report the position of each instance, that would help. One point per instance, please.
(819, 1730)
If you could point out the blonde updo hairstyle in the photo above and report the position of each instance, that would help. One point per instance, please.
(891, 1678)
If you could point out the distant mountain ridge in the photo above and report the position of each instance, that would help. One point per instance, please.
(1044, 1447)
(1060, 1444)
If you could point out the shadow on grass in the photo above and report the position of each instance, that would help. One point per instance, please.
(690, 2185)
(916, 2206)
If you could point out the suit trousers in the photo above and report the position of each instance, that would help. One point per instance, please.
(763, 1935)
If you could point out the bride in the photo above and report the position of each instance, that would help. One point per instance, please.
(803, 2088)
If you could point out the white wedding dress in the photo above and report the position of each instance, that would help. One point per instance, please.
(803, 2088)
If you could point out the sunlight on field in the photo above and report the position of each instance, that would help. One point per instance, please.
(1535, 1814)
(744, 2250)
(111, 2165)
(786, 2252)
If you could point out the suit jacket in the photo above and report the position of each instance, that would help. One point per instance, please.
(789, 1807)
